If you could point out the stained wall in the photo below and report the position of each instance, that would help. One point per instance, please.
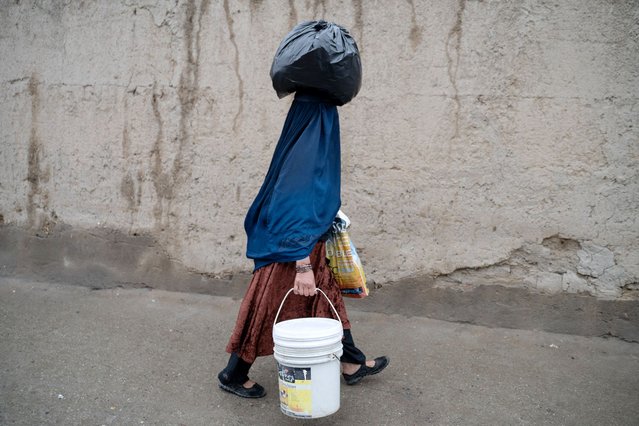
(493, 142)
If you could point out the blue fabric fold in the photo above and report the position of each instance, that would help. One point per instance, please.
(300, 195)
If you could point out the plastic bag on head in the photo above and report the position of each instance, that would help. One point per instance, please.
(320, 57)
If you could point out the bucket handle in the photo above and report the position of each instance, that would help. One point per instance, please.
(317, 289)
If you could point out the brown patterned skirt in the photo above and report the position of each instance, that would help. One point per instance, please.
(252, 336)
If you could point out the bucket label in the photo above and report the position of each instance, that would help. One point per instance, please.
(296, 398)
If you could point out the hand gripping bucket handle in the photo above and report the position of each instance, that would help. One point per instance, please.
(318, 289)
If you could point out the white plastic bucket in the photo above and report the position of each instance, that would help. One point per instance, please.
(307, 351)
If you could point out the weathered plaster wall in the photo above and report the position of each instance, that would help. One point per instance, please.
(492, 141)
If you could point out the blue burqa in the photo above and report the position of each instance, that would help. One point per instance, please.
(300, 195)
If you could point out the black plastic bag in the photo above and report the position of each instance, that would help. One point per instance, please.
(321, 57)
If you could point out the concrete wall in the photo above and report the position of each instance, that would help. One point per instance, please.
(493, 142)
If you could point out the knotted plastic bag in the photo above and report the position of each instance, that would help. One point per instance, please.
(344, 261)
(320, 57)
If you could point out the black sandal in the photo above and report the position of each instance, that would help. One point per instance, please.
(236, 388)
(255, 391)
(380, 364)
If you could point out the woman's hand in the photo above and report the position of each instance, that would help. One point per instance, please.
(304, 278)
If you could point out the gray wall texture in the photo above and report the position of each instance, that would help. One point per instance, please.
(493, 142)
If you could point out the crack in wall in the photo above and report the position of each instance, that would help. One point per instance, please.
(236, 65)
(453, 42)
(166, 19)
(16, 80)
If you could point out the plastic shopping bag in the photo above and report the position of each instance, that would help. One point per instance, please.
(345, 262)
(318, 56)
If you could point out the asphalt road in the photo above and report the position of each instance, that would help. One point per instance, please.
(71, 355)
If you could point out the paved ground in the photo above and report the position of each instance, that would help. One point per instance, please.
(72, 355)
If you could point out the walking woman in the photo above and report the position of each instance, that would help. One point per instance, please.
(286, 227)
